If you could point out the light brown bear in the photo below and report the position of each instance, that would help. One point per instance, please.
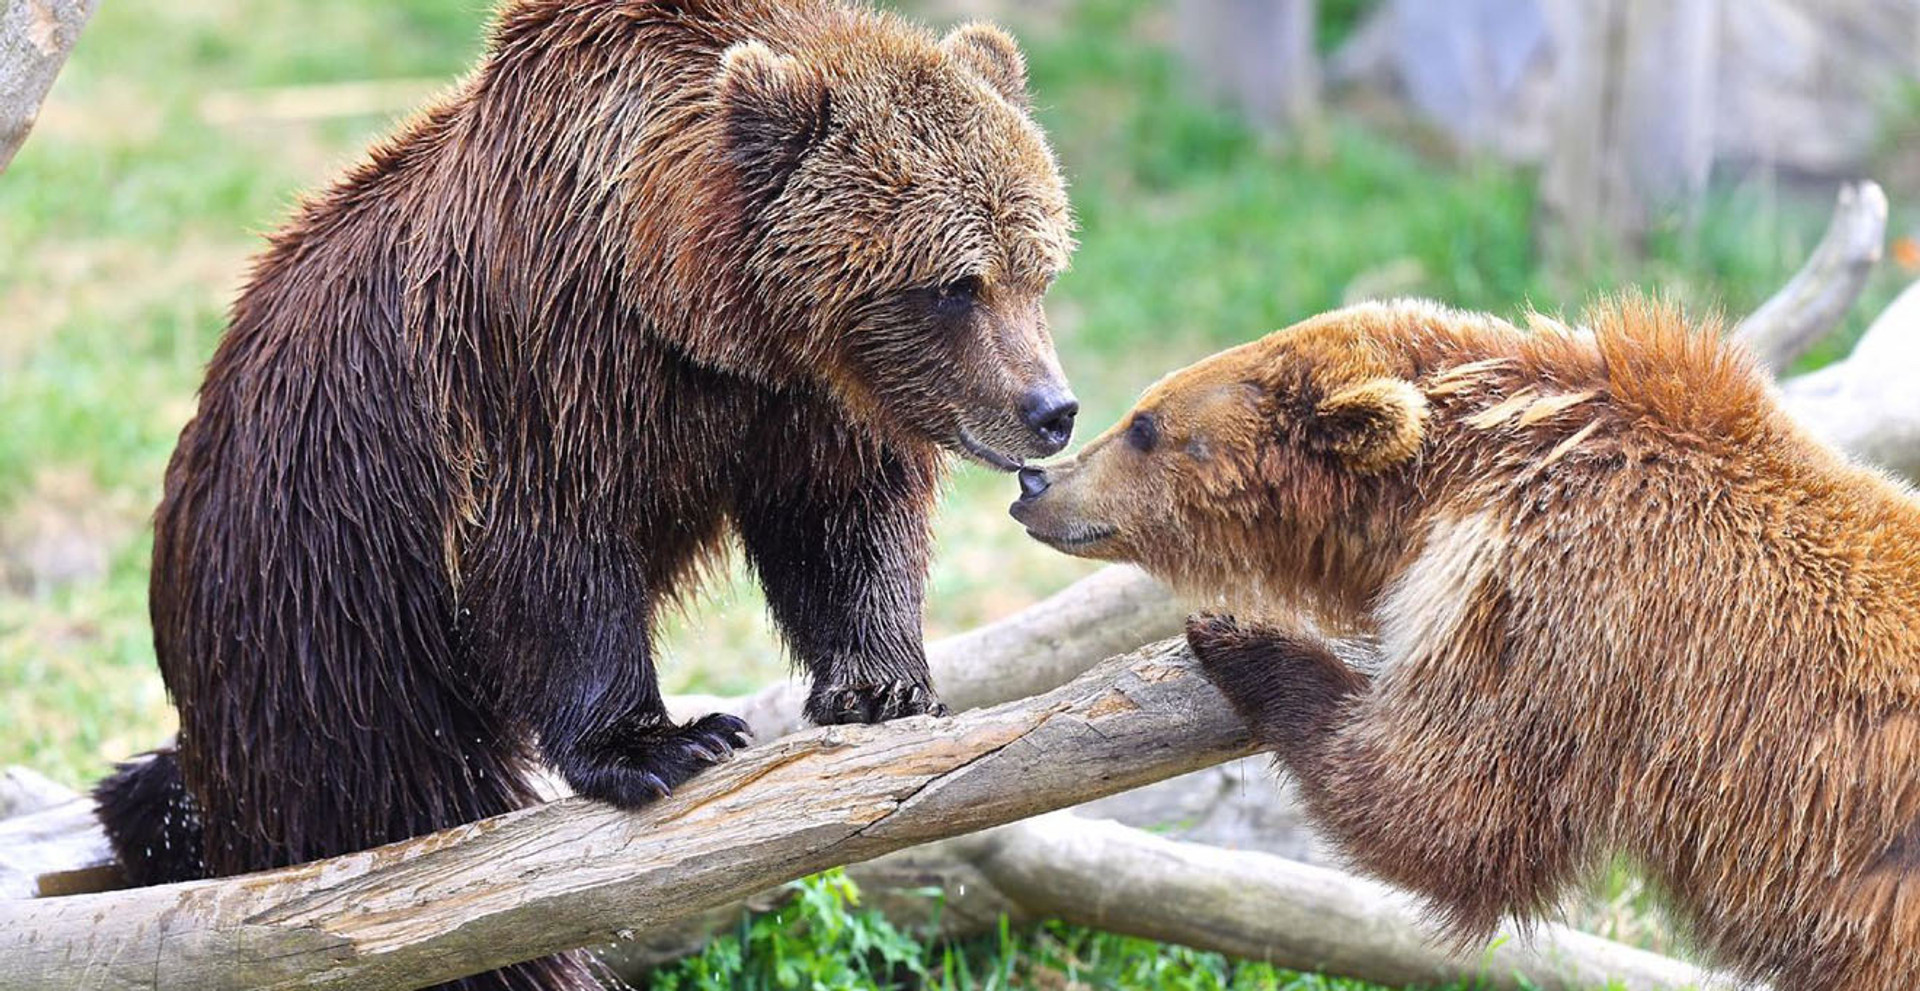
(1624, 605)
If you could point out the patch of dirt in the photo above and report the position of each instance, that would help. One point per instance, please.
(54, 283)
(112, 112)
(63, 531)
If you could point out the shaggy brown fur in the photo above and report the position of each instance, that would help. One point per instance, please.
(1625, 606)
(659, 271)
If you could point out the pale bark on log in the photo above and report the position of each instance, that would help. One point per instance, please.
(1868, 404)
(575, 872)
(23, 790)
(1028, 653)
(36, 36)
(1818, 297)
(1257, 906)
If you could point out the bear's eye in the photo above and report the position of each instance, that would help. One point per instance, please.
(1143, 433)
(957, 297)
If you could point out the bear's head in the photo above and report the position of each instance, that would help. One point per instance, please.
(906, 215)
(1278, 468)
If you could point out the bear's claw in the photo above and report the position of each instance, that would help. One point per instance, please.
(651, 782)
(832, 705)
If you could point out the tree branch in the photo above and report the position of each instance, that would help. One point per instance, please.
(36, 36)
(1258, 906)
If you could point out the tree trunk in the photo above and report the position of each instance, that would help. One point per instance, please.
(1257, 54)
(1633, 118)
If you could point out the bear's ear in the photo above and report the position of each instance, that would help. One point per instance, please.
(773, 109)
(1373, 425)
(993, 55)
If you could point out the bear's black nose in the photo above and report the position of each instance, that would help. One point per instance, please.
(1033, 481)
(1049, 413)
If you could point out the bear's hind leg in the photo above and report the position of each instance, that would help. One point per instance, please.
(630, 765)
(605, 728)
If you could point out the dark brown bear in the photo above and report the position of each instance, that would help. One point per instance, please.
(659, 272)
(1625, 606)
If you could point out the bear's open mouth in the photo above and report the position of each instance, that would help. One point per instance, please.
(1079, 536)
(986, 455)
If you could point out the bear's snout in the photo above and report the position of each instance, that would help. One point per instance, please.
(1048, 411)
(1033, 481)
(1053, 514)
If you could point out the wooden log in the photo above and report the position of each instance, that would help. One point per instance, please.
(1256, 906)
(1812, 304)
(1868, 404)
(23, 790)
(36, 36)
(1036, 650)
(574, 872)
(55, 850)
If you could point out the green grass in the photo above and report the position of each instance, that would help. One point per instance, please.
(126, 221)
(821, 939)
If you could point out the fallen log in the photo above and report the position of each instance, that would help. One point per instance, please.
(1812, 304)
(62, 851)
(574, 872)
(1867, 404)
(1257, 906)
(36, 36)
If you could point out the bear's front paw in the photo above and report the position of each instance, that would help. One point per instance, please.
(1233, 651)
(655, 763)
(1212, 634)
(1287, 686)
(831, 705)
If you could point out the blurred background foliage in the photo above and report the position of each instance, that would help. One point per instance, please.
(183, 131)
